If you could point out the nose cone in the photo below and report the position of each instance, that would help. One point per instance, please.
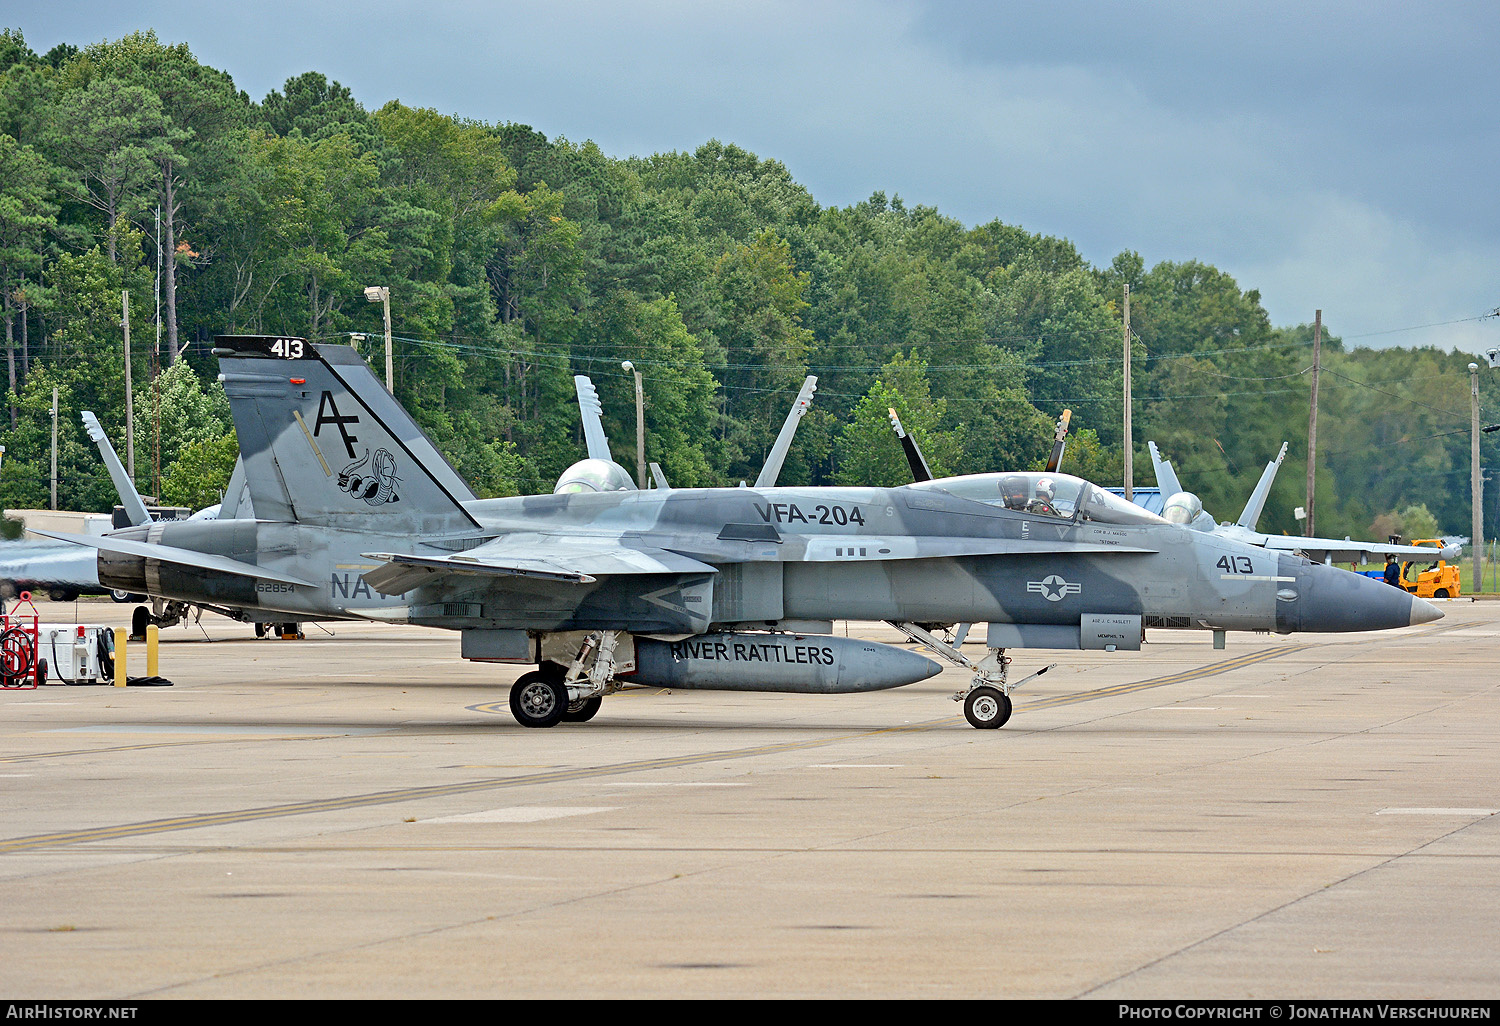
(1326, 598)
(1423, 611)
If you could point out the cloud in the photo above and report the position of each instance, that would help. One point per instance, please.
(1329, 155)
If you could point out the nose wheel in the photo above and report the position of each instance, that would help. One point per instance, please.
(987, 708)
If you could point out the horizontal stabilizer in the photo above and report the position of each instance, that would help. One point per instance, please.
(178, 556)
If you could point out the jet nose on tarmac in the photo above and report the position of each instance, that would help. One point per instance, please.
(1423, 611)
(1326, 598)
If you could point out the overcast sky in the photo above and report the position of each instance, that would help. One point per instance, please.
(1335, 156)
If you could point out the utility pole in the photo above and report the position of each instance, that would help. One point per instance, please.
(1312, 419)
(129, 393)
(54, 446)
(156, 347)
(1129, 437)
(1476, 486)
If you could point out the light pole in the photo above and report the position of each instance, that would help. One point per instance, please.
(640, 427)
(1476, 487)
(381, 294)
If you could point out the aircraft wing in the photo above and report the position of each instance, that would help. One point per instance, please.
(570, 561)
(178, 556)
(1345, 550)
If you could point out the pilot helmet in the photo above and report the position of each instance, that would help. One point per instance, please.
(1013, 486)
(1045, 489)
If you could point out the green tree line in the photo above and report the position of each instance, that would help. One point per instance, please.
(128, 168)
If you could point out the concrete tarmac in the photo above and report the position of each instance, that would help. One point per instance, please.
(357, 815)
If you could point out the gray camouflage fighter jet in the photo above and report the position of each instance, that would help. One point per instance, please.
(358, 516)
(1183, 507)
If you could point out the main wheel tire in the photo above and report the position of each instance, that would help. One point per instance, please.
(139, 621)
(536, 700)
(583, 711)
(987, 708)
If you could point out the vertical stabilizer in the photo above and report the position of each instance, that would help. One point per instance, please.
(130, 499)
(772, 470)
(920, 471)
(236, 503)
(1251, 516)
(1059, 441)
(592, 411)
(1166, 477)
(323, 442)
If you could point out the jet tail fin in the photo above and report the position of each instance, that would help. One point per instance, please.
(236, 503)
(772, 470)
(593, 425)
(130, 499)
(1059, 441)
(1251, 516)
(1166, 477)
(920, 471)
(324, 443)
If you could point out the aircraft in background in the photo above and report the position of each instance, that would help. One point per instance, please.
(358, 516)
(1184, 507)
(599, 472)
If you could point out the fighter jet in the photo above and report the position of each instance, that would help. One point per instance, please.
(709, 588)
(1184, 507)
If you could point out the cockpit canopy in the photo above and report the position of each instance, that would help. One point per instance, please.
(1182, 508)
(593, 475)
(1052, 495)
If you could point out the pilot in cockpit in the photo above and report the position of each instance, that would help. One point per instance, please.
(1046, 492)
(1013, 491)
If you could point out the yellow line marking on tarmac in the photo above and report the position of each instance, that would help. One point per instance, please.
(1211, 670)
(169, 744)
(1451, 627)
(193, 822)
(410, 794)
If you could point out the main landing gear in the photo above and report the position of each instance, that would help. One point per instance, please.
(986, 700)
(553, 693)
(161, 613)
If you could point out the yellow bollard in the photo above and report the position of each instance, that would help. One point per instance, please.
(153, 635)
(120, 635)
